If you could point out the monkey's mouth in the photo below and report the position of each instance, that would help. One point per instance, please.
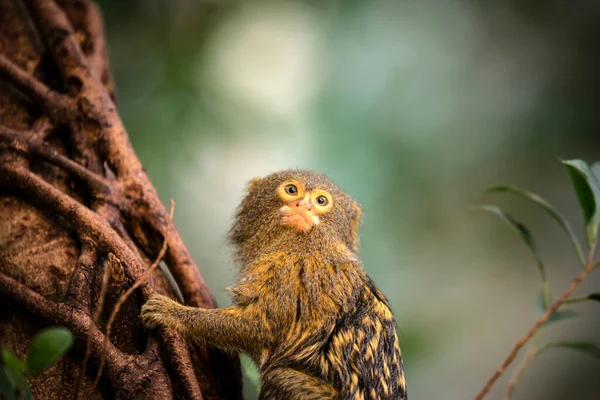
(298, 217)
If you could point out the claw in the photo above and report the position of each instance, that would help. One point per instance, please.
(155, 311)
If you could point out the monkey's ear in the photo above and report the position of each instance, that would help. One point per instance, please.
(253, 183)
(356, 215)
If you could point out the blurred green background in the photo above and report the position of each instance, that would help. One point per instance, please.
(412, 108)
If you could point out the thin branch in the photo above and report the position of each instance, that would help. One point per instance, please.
(98, 58)
(76, 320)
(59, 106)
(83, 220)
(110, 196)
(579, 299)
(57, 32)
(187, 275)
(78, 290)
(536, 326)
(118, 365)
(41, 129)
(97, 314)
(23, 141)
(129, 291)
(510, 387)
(96, 183)
(86, 223)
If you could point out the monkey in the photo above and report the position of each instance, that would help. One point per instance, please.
(304, 310)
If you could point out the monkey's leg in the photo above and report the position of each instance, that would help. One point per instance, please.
(222, 327)
(290, 384)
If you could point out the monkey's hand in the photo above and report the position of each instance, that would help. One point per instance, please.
(226, 328)
(161, 311)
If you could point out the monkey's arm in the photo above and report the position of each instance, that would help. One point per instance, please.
(226, 328)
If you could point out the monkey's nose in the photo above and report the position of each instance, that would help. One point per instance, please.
(304, 202)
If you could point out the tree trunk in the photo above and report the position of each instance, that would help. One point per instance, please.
(76, 205)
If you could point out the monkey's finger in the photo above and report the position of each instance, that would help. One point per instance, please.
(155, 311)
(158, 303)
(150, 321)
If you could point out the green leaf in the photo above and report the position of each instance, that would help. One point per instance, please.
(595, 168)
(14, 368)
(546, 206)
(26, 392)
(47, 347)
(579, 173)
(594, 296)
(12, 361)
(584, 347)
(523, 233)
(588, 194)
(6, 387)
(558, 315)
(561, 315)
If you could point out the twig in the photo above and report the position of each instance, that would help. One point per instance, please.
(60, 106)
(25, 141)
(86, 222)
(533, 330)
(57, 32)
(78, 290)
(97, 314)
(117, 363)
(98, 58)
(129, 291)
(41, 129)
(510, 387)
(76, 320)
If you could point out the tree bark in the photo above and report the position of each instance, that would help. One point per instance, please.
(75, 202)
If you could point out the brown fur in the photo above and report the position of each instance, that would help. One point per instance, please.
(304, 309)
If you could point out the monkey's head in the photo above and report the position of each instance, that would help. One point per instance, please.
(294, 210)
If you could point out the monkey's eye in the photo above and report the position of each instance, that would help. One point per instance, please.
(292, 190)
(322, 200)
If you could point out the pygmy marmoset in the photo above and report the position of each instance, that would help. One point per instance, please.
(303, 309)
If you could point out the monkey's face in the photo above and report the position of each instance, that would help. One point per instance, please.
(299, 206)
